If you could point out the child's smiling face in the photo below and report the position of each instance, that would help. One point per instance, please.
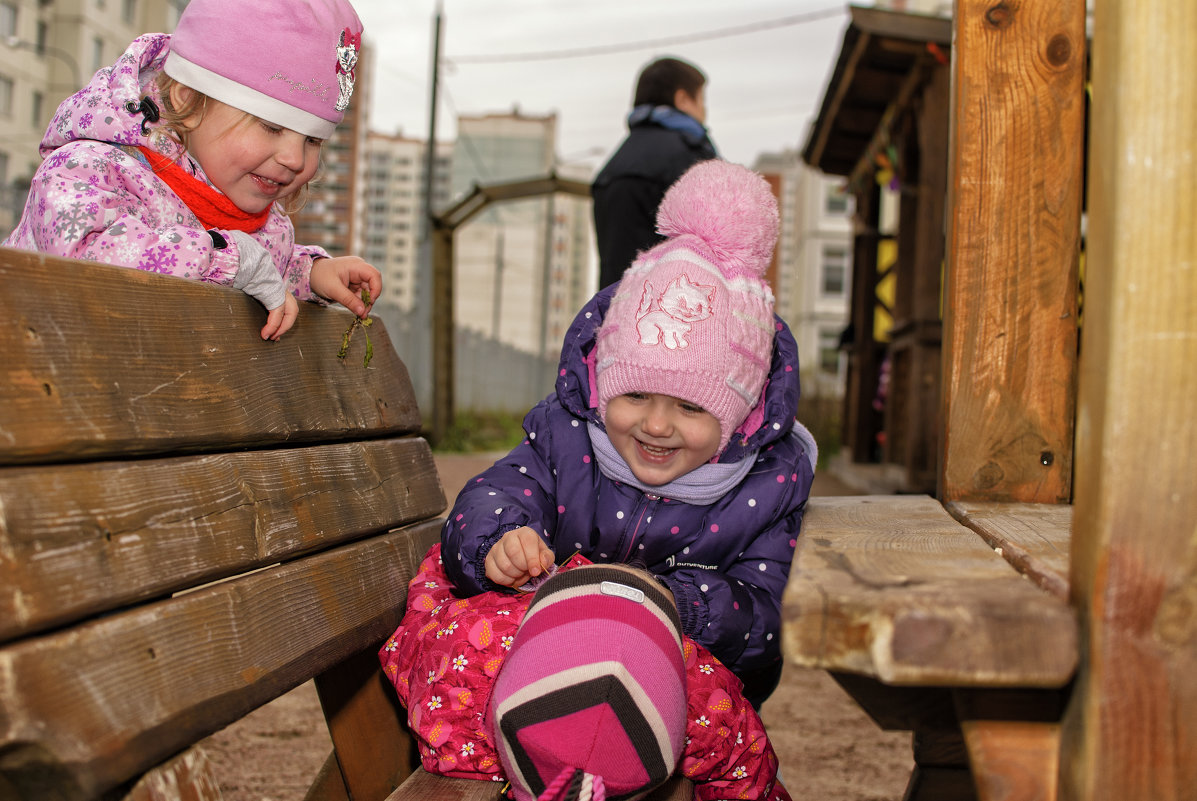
(661, 437)
(253, 162)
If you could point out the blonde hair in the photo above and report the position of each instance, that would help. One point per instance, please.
(174, 124)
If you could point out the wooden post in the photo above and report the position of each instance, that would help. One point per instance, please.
(1131, 730)
(860, 419)
(443, 330)
(1015, 168)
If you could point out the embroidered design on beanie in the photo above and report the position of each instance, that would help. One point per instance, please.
(347, 66)
(667, 317)
(703, 294)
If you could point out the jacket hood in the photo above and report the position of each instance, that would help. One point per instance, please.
(771, 419)
(109, 108)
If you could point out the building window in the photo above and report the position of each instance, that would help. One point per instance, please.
(129, 11)
(97, 54)
(5, 96)
(39, 101)
(835, 200)
(829, 351)
(835, 271)
(8, 20)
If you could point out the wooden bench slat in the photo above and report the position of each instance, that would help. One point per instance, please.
(893, 587)
(1033, 537)
(91, 374)
(80, 539)
(111, 698)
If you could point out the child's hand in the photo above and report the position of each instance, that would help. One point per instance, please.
(280, 319)
(519, 556)
(258, 277)
(341, 280)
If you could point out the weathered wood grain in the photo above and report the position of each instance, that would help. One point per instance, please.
(373, 749)
(187, 777)
(78, 539)
(148, 364)
(892, 587)
(93, 705)
(1033, 537)
(1131, 730)
(1010, 310)
(1014, 760)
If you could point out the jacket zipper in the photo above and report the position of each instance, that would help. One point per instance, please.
(649, 498)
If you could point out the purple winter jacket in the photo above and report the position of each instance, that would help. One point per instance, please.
(726, 563)
(92, 199)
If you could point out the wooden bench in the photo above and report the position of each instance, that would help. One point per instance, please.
(193, 522)
(958, 631)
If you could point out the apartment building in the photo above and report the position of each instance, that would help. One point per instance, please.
(48, 50)
(394, 213)
(523, 267)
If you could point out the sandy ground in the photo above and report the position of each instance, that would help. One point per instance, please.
(829, 750)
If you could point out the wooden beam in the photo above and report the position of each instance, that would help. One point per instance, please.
(1131, 731)
(892, 587)
(1013, 243)
(151, 391)
(83, 539)
(164, 680)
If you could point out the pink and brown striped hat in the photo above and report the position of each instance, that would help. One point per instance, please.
(591, 704)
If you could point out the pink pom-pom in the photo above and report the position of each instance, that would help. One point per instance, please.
(730, 209)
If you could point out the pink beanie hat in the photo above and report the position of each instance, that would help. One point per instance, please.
(693, 316)
(591, 702)
(289, 62)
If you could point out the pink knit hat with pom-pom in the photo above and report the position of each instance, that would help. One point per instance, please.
(693, 316)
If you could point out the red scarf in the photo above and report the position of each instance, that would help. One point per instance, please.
(213, 209)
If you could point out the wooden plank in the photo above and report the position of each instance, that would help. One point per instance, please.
(893, 587)
(1010, 337)
(1013, 760)
(374, 750)
(129, 362)
(94, 705)
(423, 786)
(187, 777)
(1013, 739)
(1131, 731)
(1033, 537)
(79, 539)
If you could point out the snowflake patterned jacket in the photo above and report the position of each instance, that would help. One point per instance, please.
(92, 199)
(445, 655)
(725, 562)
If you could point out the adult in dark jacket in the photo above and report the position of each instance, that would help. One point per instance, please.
(690, 327)
(666, 137)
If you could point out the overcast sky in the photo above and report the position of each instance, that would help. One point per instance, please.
(766, 61)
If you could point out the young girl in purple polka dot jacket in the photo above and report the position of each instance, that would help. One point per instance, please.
(671, 440)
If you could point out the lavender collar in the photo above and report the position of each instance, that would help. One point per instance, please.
(701, 486)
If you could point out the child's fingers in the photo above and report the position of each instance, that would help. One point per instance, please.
(501, 569)
(274, 319)
(534, 556)
(290, 314)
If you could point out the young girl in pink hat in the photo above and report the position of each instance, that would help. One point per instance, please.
(185, 156)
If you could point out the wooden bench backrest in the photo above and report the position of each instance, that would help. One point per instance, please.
(192, 521)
